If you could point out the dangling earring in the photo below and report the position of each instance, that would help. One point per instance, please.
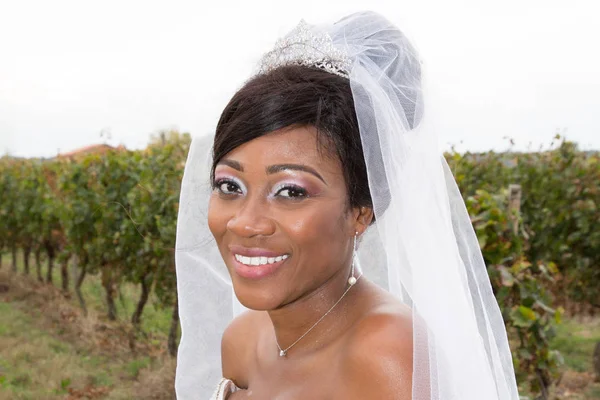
(352, 279)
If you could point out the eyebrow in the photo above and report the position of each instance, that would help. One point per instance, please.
(273, 169)
(233, 164)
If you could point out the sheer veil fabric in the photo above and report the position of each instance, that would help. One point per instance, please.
(422, 248)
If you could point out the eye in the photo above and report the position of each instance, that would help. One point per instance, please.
(226, 186)
(292, 191)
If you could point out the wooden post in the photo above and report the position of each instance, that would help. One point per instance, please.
(514, 206)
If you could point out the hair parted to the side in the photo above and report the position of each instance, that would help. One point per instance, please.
(291, 96)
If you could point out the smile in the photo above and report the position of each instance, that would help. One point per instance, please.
(259, 260)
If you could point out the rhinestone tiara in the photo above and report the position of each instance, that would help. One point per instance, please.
(302, 46)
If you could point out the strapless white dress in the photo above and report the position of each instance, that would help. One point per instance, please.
(225, 388)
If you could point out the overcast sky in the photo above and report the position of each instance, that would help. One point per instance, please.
(71, 69)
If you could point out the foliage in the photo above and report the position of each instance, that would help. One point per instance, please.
(559, 208)
(115, 214)
(561, 211)
(519, 287)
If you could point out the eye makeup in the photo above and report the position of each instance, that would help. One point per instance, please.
(221, 179)
(296, 185)
(289, 190)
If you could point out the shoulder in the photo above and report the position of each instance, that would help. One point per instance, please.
(238, 345)
(378, 357)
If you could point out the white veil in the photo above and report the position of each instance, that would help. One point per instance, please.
(422, 248)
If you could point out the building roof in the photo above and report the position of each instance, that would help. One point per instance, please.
(93, 148)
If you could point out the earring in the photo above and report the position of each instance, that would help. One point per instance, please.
(352, 279)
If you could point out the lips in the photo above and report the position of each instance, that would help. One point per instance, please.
(256, 263)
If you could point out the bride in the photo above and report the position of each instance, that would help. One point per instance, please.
(323, 248)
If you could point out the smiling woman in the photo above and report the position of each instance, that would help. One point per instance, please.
(323, 169)
(286, 192)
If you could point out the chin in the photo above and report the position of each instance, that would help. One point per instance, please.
(258, 297)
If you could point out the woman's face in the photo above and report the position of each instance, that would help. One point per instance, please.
(279, 215)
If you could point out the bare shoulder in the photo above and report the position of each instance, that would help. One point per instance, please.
(238, 344)
(378, 357)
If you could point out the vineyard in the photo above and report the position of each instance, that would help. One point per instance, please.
(111, 215)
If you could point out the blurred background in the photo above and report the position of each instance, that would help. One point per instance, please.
(98, 104)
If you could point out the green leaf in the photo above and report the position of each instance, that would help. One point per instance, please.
(523, 317)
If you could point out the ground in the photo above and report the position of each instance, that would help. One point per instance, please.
(49, 350)
(576, 340)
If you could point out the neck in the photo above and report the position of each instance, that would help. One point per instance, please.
(294, 319)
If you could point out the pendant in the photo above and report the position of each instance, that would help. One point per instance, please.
(281, 353)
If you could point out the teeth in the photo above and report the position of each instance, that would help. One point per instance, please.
(259, 260)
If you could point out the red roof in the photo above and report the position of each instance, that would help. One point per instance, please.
(93, 148)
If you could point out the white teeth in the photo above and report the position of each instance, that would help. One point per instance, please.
(259, 260)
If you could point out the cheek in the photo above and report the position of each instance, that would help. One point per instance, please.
(217, 218)
(319, 231)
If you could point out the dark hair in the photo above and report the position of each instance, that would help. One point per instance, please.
(292, 96)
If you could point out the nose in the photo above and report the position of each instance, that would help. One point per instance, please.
(252, 219)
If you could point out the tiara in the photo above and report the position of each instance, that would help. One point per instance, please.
(308, 48)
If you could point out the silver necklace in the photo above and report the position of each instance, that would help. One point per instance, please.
(351, 281)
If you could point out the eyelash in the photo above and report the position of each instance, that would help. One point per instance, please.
(293, 188)
(217, 185)
(220, 182)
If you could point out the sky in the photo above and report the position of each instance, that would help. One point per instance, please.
(78, 72)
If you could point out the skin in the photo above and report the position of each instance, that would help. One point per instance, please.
(363, 348)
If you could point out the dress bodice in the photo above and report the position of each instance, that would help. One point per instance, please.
(224, 389)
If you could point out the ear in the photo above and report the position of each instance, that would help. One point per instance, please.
(363, 216)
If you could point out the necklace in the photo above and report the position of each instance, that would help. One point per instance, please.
(283, 352)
